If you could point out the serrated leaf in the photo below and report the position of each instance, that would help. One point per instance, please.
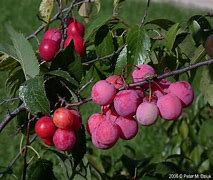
(32, 93)
(45, 10)
(121, 61)
(170, 37)
(65, 75)
(138, 47)
(41, 169)
(96, 24)
(25, 54)
(9, 50)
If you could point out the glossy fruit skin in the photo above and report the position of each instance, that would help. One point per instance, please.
(147, 113)
(63, 118)
(128, 127)
(64, 140)
(94, 121)
(75, 28)
(209, 45)
(79, 45)
(103, 93)
(48, 142)
(100, 145)
(53, 34)
(126, 102)
(141, 72)
(169, 106)
(183, 90)
(45, 128)
(116, 81)
(48, 49)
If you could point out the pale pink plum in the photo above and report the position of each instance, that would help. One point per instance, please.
(161, 85)
(153, 99)
(107, 133)
(67, 41)
(53, 34)
(116, 81)
(126, 102)
(110, 112)
(103, 93)
(128, 127)
(94, 121)
(64, 140)
(183, 90)
(141, 72)
(170, 106)
(147, 113)
(100, 145)
(209, 45)
(77, 120)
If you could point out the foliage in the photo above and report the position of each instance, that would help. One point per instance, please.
(114, 46)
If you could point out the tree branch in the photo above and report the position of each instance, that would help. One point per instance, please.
(10, 116)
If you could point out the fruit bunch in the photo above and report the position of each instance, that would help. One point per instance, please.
(59, 130)
(123, 107)
(50, 44)
(75, 32)
(52, 38)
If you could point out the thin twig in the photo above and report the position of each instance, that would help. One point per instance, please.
(145, 13)
(55, 17)
(10, 116)
(104, 57)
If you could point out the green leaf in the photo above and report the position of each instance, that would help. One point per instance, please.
(65, 75)
(45, 10)
(41, 169)
(7, 62)
(96, 24)
(95, 162)
(32, 93)
(104, 42)
(79, 150)
(25, 54)
(199, 54)
(207, 81)
(138, 47)
(184, 129)
(121, 61)
(170, 37)
(163, 23)
(9, 50)
(206, 133)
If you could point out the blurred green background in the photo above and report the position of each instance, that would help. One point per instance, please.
(23, 16)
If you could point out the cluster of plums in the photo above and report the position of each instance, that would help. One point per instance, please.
(123, 107)
(60, 129)
(52, 38)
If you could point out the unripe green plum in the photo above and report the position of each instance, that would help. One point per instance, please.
(183, 90)
(170, 106)
(126, 102)
(103, 93)
(147, 113)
